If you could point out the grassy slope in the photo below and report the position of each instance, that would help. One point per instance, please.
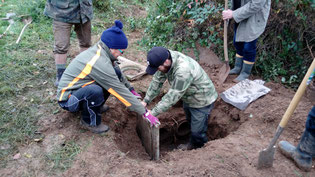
(27, 71)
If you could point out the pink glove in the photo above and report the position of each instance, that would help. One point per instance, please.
(153, 120)
(136, 94)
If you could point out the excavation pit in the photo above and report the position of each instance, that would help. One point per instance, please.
(174, 129)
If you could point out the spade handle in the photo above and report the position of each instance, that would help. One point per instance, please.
(297, 97)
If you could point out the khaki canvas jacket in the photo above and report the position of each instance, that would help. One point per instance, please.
(95, 66)
(69, 11)
(188, 81)
(252, 17)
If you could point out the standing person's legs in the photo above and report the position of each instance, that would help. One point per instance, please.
(88, 100)
(310, 122)
(199, 125)
(84, 35)
(61, 46)
(198, 119)
(304, 152)
(246, 51)
(239, 54)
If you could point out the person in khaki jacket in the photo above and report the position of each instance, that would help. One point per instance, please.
(94, 75)
(250, 18)
(65, 14)
(303, 153)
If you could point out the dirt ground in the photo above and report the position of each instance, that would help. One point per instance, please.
(236, 137)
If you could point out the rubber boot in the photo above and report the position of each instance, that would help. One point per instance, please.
(245, 73)
(303, 153)
(85, 121)
(58, 76)
(238, 66)
(101, 128)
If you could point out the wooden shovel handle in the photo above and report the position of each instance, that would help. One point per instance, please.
(297, 97)
(226, 56)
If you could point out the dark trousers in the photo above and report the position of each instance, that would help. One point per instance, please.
(88, 100)
(310, 122)
(198, 119)
(245, 49)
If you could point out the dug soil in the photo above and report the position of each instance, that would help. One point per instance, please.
(236, 137)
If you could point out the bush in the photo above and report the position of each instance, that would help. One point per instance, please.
(283, 51)
(101, 4)
(178, 24)
(34, 9)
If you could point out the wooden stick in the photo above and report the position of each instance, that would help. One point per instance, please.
(18, 40)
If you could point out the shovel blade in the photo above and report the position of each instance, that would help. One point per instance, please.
(265, 159)
(224, 72)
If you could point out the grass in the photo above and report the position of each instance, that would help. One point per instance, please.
(27, 73)
(61, 158)
(22, 73)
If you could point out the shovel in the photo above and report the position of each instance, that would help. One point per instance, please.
(265, 159)
(225, 69)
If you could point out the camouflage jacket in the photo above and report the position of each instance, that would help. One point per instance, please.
(95, 66)
(69, 11)
(188, 82)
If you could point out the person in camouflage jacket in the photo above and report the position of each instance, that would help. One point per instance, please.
(65, 14)
(93, 75)
(189, 82)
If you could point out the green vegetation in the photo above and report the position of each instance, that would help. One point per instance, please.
(27, 69)
(24, 75)
(27, 72)
(180, 24)
(61, 158)
(283, 49)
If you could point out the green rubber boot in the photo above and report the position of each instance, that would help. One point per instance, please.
(58, 76)
(245, 73)
(303, 153)
(238, 66)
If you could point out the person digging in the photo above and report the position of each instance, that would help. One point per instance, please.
(303, 153)
(189, 82)
(93, 75)
(250, 18)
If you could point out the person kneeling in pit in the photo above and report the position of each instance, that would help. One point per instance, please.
(93, 75)
(189, 82)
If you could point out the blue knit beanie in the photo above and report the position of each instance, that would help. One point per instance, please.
(114, 37)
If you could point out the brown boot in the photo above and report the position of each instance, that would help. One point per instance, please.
(101, 128)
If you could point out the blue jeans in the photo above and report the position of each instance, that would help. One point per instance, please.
(245, 49)
(198, 119)
(310, 122)
(88, 100)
